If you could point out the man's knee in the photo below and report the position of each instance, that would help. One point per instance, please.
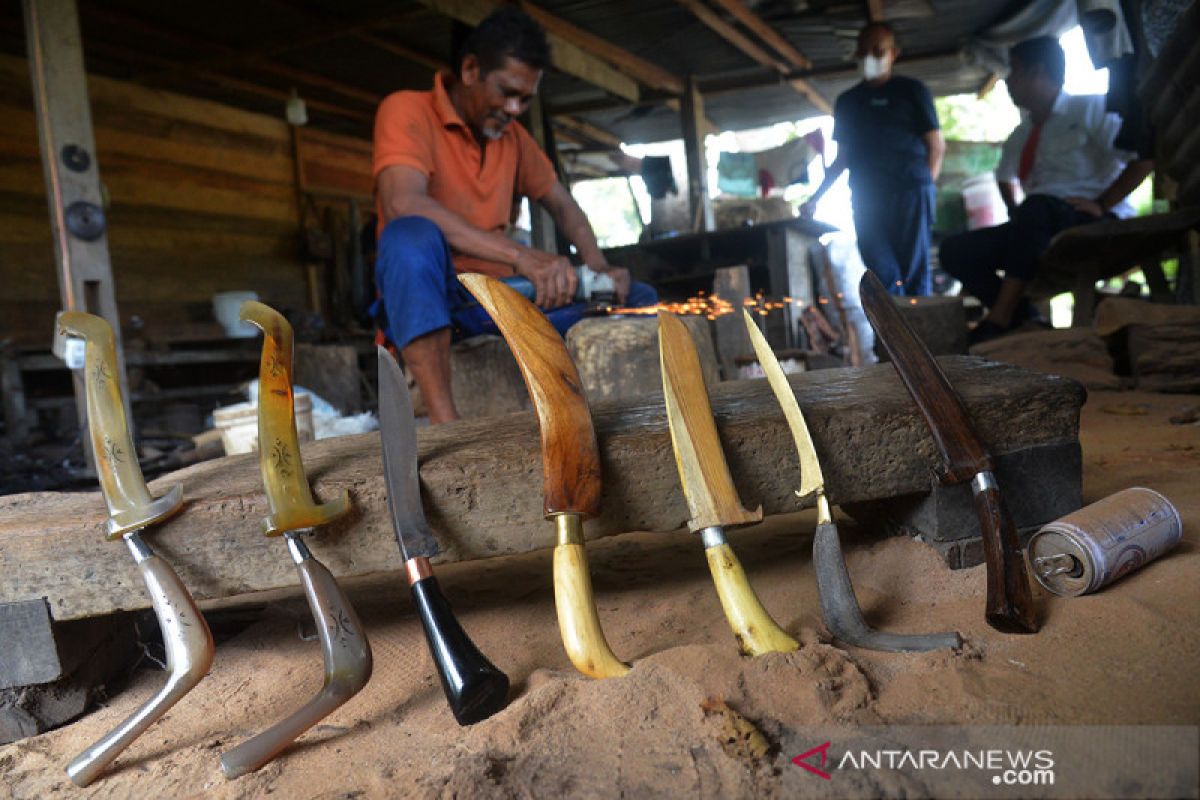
(412, 236)
(641, 295)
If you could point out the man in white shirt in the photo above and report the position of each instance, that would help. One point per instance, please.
(1062, 158)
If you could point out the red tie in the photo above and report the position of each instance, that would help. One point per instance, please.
(1028, 153)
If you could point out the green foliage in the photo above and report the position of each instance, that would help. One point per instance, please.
(966, 118)
(609, 206)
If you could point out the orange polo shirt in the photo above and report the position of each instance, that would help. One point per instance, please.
(422, 130)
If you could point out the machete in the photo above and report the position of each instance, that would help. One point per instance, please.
(188, 642)
(1009, 606)
(708, 487)
(839, 606)
(347, 655)
(474, 687)
(570, 462)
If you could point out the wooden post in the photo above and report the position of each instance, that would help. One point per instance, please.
(540, 222)
(692, 115)
(73, 193)
(790, 276)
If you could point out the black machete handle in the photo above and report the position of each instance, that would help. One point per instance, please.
(474, 687)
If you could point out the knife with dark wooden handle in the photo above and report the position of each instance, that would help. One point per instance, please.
(1009, 606)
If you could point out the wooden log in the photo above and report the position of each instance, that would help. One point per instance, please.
(482, 484)
(1166, 358)
(617, 357)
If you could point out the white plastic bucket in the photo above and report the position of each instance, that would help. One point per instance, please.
(238, 425)
(985, 206)
(226, 306)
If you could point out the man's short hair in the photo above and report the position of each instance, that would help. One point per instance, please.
(872, 26)
(507, 32)
(1044, 52)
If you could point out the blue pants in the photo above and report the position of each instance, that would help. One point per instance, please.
(420, 294)
(894, 227)
(1016, 246)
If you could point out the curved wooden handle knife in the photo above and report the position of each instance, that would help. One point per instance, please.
(708, 487)
(570, 460)
(186, 637)
(347, 654)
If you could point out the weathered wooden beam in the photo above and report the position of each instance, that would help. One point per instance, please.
(564, 55)
(742, 42)
(764, 31)
(416, 56)
(482, 483)
(645, 72)
(692, 119)
(588, 131)
(988, 84)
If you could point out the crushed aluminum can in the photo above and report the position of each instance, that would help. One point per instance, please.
(1098, 544)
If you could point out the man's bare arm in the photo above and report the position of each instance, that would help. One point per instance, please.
(404, 191)
(935, 144)
(835, 170)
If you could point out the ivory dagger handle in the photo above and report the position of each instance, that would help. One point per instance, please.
(578, 622)
(755, 631)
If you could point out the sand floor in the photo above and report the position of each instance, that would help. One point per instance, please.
(1129, 654)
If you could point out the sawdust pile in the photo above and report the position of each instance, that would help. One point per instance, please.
(692, 717)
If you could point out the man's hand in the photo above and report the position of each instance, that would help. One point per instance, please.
(1090, 207)
(553, 277)
(620, 278)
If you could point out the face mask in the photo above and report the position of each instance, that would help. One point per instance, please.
(874, 67)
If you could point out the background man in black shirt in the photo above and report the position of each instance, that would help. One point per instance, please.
(889, 138)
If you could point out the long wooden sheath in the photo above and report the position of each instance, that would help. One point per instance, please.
(1009, 605)
(570, 461)
(708, 487)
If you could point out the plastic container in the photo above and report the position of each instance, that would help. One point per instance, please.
(985, 206)
(238, 425)
(226, 306)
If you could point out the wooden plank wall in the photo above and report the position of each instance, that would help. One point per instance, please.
(202, 199)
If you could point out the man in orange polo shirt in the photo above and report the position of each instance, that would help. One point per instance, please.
(448, 164)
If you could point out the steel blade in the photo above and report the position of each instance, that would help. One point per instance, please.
(707, 485)
(963, 453)
(399, 433)
(811, 479)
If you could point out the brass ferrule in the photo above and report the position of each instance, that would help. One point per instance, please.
(569, 527)
(418, 569)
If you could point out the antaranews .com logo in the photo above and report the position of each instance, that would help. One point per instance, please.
(1020, 767)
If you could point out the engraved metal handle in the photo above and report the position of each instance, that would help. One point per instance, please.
(347, 665)
(189, 647)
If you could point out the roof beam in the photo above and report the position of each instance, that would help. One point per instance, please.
(645, 72)
(582, 129)
(986, 87)
(564, 56)
(739, 40)
(764, 31)
(424, 59)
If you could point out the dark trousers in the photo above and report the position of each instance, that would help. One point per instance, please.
(894, 228)
(420, 293)
(1016, 246)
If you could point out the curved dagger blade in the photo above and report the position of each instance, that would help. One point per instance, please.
(711, 496)
(570, 455)
(399, 433)
(811, 478)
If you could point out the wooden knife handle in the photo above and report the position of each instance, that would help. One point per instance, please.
(756, 632)
(474, 687)
(1010, 606)
(578, 621)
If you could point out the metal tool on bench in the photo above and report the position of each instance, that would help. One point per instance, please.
(188, 642)
(1009, 606)
(474, 687)
(570, 460)
(711, 497)
(347, 655)
(839, 606)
